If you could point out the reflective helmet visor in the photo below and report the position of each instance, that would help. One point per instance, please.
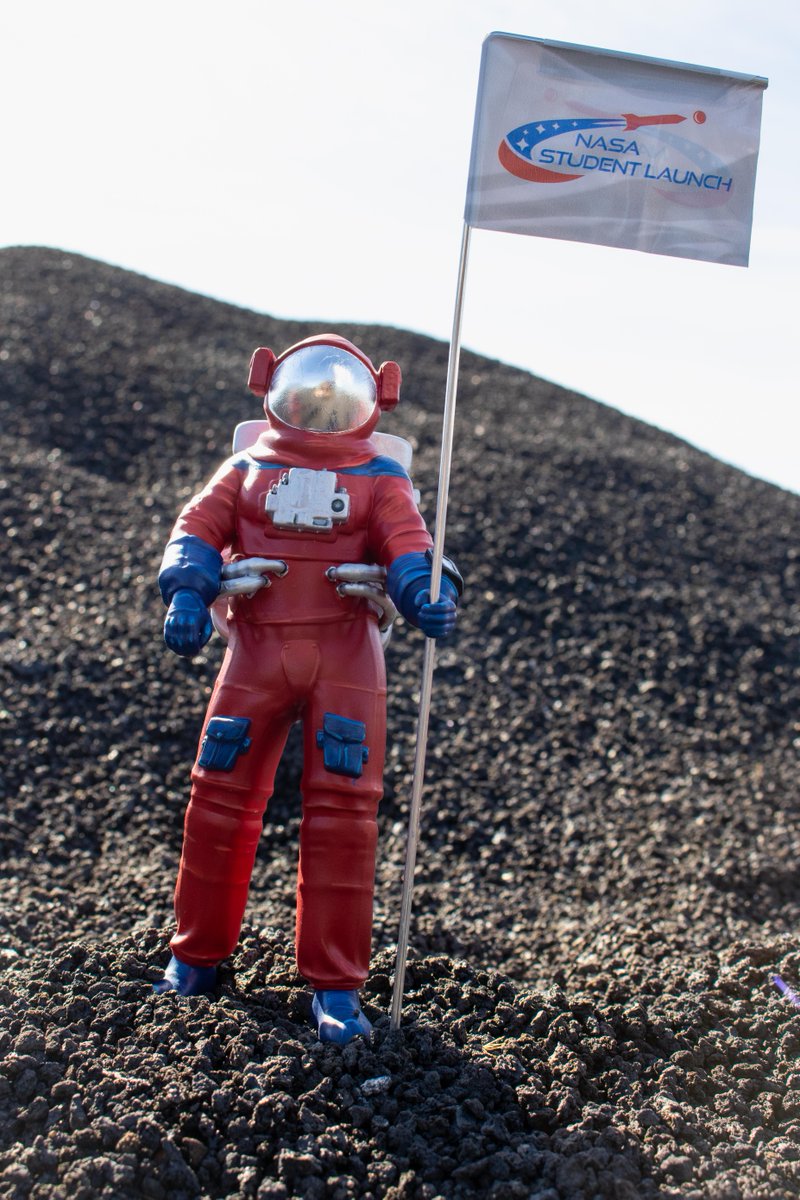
(323, 389)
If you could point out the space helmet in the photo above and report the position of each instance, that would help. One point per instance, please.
(324, 384)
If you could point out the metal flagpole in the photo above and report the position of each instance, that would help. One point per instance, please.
(448, 425)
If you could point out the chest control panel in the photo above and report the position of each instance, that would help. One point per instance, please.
(306, 499)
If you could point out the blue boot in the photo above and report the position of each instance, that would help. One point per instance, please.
(185, 980)
(339, 1017)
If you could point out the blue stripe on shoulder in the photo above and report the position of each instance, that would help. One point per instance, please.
(245, 461)
(381, 465)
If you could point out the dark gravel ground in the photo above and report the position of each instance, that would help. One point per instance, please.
(609, 866)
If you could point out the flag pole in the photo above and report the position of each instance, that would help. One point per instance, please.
(426, 686)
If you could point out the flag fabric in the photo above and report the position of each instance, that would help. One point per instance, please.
(589, 145)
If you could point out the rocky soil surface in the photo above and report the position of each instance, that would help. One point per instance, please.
(608, 872)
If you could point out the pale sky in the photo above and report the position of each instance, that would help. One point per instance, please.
(309, 160)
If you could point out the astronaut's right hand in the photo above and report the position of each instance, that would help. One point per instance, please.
(188, 626)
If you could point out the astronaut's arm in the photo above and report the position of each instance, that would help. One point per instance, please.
(401, 542)
(189, 578)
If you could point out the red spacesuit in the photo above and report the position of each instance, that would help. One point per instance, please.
(314, 492)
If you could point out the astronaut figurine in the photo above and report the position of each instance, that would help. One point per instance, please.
(313, 496)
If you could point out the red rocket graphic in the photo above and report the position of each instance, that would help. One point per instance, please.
(516, 148)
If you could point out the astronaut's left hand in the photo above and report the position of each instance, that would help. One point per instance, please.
(439, 619)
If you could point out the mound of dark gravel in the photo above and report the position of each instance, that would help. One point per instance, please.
(608, 872)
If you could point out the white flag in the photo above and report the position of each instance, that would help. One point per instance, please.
(592, 146)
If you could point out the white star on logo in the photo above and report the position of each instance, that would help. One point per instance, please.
(523, 145)
(540, 128)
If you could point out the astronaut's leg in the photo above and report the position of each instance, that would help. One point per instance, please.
(243, 738)
(344, 744)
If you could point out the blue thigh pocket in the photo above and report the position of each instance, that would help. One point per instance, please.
(225, 739)
(342, 744)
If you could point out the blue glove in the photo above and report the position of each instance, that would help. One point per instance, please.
(408, 582)
(439, 619)
(188, 626)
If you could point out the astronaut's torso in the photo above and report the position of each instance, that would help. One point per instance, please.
(313, 519)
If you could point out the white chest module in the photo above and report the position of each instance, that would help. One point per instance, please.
(306, 499)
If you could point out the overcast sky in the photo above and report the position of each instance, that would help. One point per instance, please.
(309, 160)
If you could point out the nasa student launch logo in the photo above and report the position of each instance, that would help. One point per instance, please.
(583, 149)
